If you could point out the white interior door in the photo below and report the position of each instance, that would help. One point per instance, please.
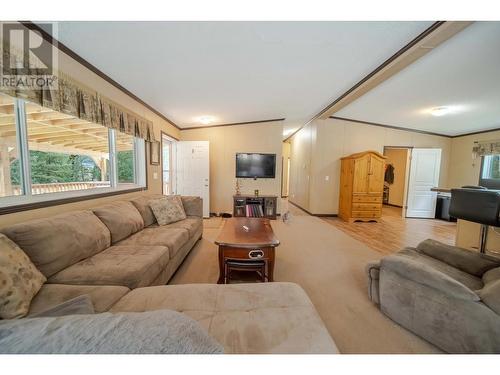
(193, 171)
(424, 175)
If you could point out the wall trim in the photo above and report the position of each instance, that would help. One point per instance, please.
(390, 126)
(392, 205)
(168, 135)
(68, 51)
(311, 214)
(234, 124)
(412, 130)
(474, 133)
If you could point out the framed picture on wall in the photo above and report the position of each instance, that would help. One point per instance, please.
(154, 153)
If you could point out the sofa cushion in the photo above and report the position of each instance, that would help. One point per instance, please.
(491, 275)
(470, 281)
(121, 218)
(173, 238)
(102, 296)
(192, 224)
(244, 318)
(168, 209)
(142, 205)
(193, 206)
(465, 260)
(19, 280)
(490, 295)
(130, 266)
(59, 241)
(80, 305)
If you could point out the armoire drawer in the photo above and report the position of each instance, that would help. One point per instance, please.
(366, 199)
(366, 214)
(366, 206)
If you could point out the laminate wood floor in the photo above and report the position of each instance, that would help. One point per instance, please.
(394, 232)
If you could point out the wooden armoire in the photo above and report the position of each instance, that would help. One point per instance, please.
(362, 186)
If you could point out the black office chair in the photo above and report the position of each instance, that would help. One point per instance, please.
(479, 205)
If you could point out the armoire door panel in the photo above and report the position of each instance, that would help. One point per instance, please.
(376, 175)
(361, 170)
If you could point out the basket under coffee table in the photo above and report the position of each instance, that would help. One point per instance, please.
(247, 239)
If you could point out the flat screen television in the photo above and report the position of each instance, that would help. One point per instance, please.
(251, 165)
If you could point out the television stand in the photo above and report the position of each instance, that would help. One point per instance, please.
(255, 206)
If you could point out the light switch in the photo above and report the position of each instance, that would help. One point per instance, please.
(155, 175)
(327, 178)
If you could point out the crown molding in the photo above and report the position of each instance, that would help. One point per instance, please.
(233, 124)
(68, 51)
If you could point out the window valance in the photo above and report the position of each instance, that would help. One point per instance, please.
(485, 148)
(75, 99)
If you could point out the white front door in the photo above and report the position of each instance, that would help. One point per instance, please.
(193, 171)
(424, 175)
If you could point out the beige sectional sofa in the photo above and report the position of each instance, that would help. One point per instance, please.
(115, 244)
(119, 256)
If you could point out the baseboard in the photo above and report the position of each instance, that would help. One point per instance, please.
(392, 205)
(310, 213)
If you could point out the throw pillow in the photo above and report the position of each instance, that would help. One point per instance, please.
(168, 209)
(81, 305)
(20, 280)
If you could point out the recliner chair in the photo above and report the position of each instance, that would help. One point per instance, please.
(447, 295)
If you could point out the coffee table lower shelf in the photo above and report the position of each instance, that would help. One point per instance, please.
(265, 254)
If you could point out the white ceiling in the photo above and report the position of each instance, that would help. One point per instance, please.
(238, 71)
(462, 73)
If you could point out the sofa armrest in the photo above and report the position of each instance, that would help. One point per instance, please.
(465, 260)
(192, 205)
(423, 274)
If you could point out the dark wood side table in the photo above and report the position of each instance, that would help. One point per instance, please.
(247, 239)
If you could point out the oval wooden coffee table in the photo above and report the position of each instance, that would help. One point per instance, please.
(246, 238)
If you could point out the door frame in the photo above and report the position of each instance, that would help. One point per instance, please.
(407, 176)
(206, 202)
(285, 163)
(172, 140)
(408, 179)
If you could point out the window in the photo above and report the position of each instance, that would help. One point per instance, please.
(10, 168)
(46, 155)
(125, 159)
(489, 176)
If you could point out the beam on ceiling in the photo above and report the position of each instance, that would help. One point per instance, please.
(417, 48)
(431, 38)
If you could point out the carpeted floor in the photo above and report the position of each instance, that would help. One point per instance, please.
(329, 265)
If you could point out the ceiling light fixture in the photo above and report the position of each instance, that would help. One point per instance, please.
(206, 120)
(440, 111)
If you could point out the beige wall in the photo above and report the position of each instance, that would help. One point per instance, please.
(82, 74)
(225, 142)
(317, 149)
(285, 177)
(300, 168)
(464, 170)
(398, 157)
